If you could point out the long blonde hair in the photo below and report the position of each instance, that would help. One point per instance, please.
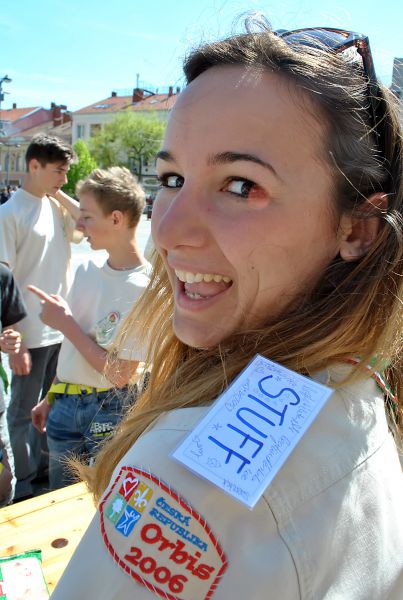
(355, 308)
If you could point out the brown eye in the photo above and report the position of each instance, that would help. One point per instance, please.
(240, 187)
(245, 189)
(171, 180)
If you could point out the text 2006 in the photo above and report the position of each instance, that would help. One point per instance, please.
(162, 575)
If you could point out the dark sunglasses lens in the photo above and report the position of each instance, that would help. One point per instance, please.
(312, 37)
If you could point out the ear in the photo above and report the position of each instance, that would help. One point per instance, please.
(33, 165)
(117, 218)
(359, 232)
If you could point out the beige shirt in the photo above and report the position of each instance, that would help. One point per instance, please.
(35, 235)
(329, 526)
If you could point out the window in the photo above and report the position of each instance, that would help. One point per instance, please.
(80, 131)
(95, 128)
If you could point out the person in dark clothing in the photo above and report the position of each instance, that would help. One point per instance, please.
(5, 195)
(12, 310)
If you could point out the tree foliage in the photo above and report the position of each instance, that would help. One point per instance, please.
(129, 140)
(80, 169)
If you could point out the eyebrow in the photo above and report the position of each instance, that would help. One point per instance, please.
(226, 158)
(165, 155)
(229, 157)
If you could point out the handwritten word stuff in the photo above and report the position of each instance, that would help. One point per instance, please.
(258, 421)
(249, 432)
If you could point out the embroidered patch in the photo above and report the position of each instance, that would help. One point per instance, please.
(158, 539)
(101, 430)
(105, 328)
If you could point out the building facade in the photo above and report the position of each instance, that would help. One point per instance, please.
(88, 120)
(18, 126)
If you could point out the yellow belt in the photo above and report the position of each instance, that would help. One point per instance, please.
(70, 389)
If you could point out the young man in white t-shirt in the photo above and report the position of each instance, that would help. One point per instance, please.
(89, 397)
(35, 235)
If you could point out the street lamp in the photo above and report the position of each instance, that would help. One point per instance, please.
(5, 79)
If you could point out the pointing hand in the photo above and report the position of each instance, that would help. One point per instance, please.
(55, 311)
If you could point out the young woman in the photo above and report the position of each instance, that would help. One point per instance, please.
(278, 228)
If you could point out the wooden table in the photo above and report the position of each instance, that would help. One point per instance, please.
(53, 522)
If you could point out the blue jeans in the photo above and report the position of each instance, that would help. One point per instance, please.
(77, 424)
(28, 445)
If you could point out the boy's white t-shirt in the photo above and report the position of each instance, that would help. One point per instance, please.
(100, 298)
(35, 239)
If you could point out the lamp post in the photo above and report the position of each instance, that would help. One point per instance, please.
(5, 79)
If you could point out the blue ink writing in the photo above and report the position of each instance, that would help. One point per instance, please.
(279, 394)
(243, 459)
(251, 423)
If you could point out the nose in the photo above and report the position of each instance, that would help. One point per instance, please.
(178, 220)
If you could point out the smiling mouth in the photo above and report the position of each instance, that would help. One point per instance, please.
(201, 286)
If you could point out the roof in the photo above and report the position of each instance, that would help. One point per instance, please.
(118, 103)
(155, 102)
(12, 114)
(62, 131)
(112, 104)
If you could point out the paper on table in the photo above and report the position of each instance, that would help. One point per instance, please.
(251, 429)
(21, 577)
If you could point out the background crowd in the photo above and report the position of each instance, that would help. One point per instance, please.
(58, 333)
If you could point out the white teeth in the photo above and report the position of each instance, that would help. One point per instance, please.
(188, 277)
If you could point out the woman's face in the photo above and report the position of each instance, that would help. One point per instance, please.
(244, 220)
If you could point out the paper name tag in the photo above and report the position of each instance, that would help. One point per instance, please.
(249, 432)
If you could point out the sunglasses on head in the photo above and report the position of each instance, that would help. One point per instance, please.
(338, 40)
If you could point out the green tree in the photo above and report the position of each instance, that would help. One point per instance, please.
(80, 169)
(129, 140)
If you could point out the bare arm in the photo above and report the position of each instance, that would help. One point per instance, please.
(57, 314)
(122, 370)
(71, 205)
(40, 413)
(10, 340)
(19, 357)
